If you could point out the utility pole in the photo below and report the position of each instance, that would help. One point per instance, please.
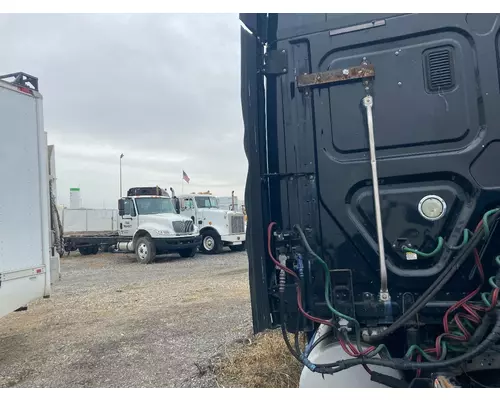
(121, 156)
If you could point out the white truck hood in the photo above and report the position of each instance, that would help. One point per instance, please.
(163, 222)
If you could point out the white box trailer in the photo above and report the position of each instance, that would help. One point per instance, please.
(26, 251)
(89, 220)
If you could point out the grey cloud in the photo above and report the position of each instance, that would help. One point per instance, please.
(146, 85)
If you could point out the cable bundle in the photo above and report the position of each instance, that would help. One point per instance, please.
(466, 327)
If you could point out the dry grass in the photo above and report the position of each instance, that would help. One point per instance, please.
(263, 361)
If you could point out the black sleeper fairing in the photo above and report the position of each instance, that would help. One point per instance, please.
(436, 100)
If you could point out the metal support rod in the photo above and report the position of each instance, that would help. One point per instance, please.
(384, 290)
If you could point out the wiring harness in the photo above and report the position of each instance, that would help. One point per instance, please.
(465, 324)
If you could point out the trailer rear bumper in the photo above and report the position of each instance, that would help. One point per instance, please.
(172, 245)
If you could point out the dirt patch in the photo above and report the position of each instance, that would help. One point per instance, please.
(260, 361)
(112, 322)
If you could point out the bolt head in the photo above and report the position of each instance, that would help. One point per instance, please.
(384, 296)
(400, 83)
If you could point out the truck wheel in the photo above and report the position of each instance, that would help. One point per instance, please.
(187, 253)
(145, 250)
(211, 243)
(84, 251)
(94, 249)
(238, 247)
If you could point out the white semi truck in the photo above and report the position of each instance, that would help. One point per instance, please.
(218, 227)
(28, 256)
(149, 225)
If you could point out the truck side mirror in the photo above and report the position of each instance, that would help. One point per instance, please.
(121, 207)
(177, 205)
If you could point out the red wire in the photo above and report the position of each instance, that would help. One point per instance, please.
(469, 308)
(419, 371)
(350, 349)
(269, 250)
(289, 271)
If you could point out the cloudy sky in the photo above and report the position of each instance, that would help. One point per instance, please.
(163, 89)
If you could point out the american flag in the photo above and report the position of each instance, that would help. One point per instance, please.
(185, 176)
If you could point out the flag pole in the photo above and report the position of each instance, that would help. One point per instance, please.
(182, 183)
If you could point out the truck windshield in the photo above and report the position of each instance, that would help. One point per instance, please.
(154, 205)
(207, 202)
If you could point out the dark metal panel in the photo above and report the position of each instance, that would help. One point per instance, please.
(427, 140)
(252, 98)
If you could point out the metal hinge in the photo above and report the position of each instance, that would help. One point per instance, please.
(275, 62)
(290, 175)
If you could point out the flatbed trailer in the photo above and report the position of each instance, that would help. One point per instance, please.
(90, 242)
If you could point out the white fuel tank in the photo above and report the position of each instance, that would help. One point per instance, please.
(329, 351)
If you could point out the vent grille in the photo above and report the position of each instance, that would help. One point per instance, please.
(439, 68)
(183, 226)
(237, 224)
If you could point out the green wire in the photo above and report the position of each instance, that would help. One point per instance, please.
(327, 295)
(484, 297)
(485, 221)
(425, 355)
(465, 240)
(381, 347)
(457, 349)
(491, 281)
(431, 254)
(421, 351)
(468, 324)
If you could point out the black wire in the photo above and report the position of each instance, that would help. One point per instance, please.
(476, 382)
(284, 332)
(481, 330)
(402, 364)
(435, 287)
(322, 338)
(357, 328)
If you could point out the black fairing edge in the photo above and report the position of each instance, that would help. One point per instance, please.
(253, 102)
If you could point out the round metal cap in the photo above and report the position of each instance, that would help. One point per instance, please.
(432, 207)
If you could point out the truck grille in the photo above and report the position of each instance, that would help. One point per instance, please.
(183, 226)
(237, 224)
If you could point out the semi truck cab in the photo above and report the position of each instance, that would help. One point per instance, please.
(149, 225)
(218, 227)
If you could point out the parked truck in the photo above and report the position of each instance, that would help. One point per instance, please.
(146, 223)
(373, 194)
(29, 260)
(218, 227)
(150, 225)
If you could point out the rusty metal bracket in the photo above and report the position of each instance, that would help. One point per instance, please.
(336, 76)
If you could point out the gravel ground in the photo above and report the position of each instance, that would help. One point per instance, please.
(114, 323)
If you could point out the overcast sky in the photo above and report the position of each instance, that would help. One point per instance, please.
(162, 89)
